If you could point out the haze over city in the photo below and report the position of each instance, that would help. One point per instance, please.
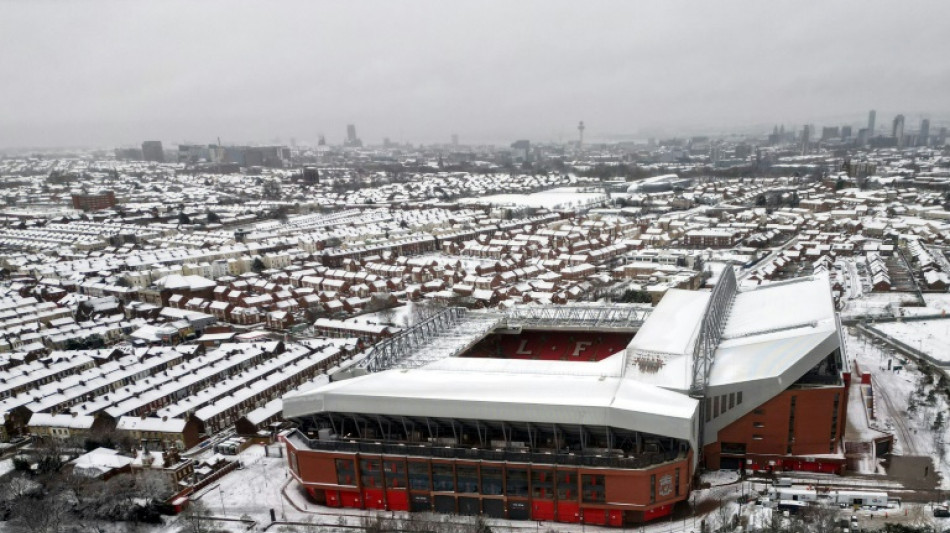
(103, 73)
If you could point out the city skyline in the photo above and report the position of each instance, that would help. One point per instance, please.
(430, 71)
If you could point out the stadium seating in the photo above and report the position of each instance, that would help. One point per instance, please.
(552, 345)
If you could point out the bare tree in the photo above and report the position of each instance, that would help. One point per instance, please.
(153, 486)
(820, 518)
(920, 518)
(195, 519)
(39, 516)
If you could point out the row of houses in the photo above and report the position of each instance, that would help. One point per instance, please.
(212, 393)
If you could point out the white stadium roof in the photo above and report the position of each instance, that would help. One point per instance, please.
(773, 335)
(521, 397)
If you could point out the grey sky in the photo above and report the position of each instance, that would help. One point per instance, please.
(107, 73)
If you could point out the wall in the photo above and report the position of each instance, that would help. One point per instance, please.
(814, 412)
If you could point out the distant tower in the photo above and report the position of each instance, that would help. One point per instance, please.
(897, 130)
(924, 137)
(806, 133)
(455, 139)
(580, 131)
(872, 115)
(351, 138)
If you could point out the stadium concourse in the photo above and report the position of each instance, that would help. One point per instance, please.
(598, 413)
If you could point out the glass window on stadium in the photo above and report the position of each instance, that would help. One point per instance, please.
(542, 484)
(517, 482)
(467, 478)
(395, 474)
(345, 472)
(371, 473)
(592, 488)
(443, 477)
(419, 476)
(567, 485)
(491, 481)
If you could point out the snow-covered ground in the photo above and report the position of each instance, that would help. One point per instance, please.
(895, 391)
(938, 301)
(929, 336)
(6, 466)
(878, 304)
(559, 198)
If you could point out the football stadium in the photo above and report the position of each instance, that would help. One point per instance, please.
(597, 413)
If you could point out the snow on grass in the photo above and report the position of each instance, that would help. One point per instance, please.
(720, 477)
(938, 301)
(929, 336)
(878, 304)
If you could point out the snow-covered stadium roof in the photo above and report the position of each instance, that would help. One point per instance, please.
(772, 336)
(517, 397)
(773, 328)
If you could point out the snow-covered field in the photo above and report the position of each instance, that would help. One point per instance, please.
(929, 336)
(938, 301)
(878, 304)
(560, 198)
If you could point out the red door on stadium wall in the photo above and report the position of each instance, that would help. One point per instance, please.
(350, 499)
(542, 510)
(597, 517)
(568, 512)
(397, 500)
(374, 499)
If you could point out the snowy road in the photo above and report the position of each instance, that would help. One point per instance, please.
(855, 281)
(906, 436)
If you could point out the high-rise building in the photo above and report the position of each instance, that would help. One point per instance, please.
(871, 117)
(351, 138)
(152, 151)
(580, 131)
(897, 130)
(845, 132)
(455, 139)
(924, 137)
(806, 134)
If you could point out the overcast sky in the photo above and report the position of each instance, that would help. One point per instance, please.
(105, 73)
